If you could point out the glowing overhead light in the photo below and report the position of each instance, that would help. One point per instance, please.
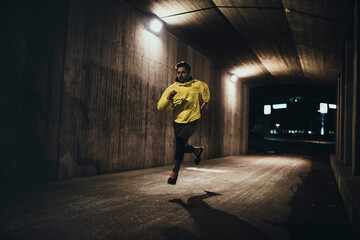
(233, 78)
(156, 25)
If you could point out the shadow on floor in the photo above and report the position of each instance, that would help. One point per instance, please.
(212, 223)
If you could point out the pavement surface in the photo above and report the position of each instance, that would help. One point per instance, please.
(280, 196)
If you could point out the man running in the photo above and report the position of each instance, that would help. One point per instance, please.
(183, 96)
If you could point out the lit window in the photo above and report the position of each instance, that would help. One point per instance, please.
(279, 106)
(273, 131)
(332, 106)
(323, 108)
(267, 109)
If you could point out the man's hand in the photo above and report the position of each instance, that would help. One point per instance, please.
(171, 95)
(204, 106)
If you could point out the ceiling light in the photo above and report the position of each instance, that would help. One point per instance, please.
(233, 78)
(156, 25)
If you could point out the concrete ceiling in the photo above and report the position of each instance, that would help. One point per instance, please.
(263, 41)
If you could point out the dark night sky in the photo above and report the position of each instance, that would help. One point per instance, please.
(271, 93)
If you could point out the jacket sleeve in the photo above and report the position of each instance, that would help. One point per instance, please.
(205, 92)
(164, 102)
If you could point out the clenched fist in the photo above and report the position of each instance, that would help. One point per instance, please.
(171, 95)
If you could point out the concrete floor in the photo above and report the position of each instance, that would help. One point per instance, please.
(242, 197)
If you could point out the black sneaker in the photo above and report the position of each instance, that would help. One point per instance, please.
(173, 177)
(198, 151)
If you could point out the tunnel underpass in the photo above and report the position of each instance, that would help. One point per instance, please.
(86, 153)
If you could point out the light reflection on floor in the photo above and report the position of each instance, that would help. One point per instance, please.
(206, 170)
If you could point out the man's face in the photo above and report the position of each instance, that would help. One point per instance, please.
(182, 74)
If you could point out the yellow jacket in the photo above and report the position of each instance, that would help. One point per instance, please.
(186, 107)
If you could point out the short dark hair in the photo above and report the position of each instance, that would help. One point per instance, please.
(183, 64)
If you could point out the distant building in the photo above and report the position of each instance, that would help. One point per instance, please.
(294, 117)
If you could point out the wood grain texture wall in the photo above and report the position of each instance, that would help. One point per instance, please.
(93, 76)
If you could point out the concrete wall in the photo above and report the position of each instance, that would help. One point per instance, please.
(348, 118)
(234, 120)
(84, 81)
(31, 62)
(346, 163)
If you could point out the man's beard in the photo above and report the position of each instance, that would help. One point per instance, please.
(183, 79)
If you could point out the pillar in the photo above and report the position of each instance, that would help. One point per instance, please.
(356, 96)
(348, 103)
(337, 152)
(341, 106)
(340, 115)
